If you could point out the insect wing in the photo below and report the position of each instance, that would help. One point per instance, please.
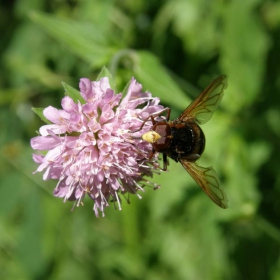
(208, 180)
(202, 108)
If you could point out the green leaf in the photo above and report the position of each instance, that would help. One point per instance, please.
(13, 180)
(73, 93)
(30, 236)
(125, 90)
(156, 79)
(39, 113)
(106, 73)
(83, 38)
(241, 60)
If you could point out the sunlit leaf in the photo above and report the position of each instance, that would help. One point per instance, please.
(39, 113)
(156, 79)
(84, 39)
(243, 63)
(106, 73)
(73, 93)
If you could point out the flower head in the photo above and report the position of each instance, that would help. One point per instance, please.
(95, 148)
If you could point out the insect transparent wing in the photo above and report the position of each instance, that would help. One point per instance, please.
(208, 180)
(202, 108)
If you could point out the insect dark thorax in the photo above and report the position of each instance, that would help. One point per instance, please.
(180, 140)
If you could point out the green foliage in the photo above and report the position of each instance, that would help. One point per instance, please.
(106, 73)
(174, 49)
(155, 78)
(40, 114)
(73, 93)
(82, 38)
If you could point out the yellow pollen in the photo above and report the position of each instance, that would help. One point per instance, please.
(151, 136)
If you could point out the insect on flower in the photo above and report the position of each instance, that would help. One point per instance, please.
(183, 140)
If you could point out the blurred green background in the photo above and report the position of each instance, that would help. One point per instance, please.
(174, 48)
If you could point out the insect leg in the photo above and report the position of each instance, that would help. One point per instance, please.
(151, 154)
(153, 120)
(165, 162)
(168, 114)
(150, 117)
(139, 151)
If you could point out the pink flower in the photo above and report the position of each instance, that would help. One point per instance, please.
(94, 148)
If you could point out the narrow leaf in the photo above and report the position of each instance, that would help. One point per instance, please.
(73, 93)
(39, 113)
(156, 79)
(83, 38)
(106, 73)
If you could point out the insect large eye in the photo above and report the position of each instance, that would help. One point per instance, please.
(164, 141)
(163, 129)
(162, 144)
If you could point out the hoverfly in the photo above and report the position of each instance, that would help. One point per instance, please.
(183, 140)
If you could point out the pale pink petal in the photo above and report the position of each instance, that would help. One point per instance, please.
(69, 105)
(43, 143)
(92, 149)
(57, 129)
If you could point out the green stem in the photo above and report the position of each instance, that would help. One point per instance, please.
(268, 228)
(117, 58)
